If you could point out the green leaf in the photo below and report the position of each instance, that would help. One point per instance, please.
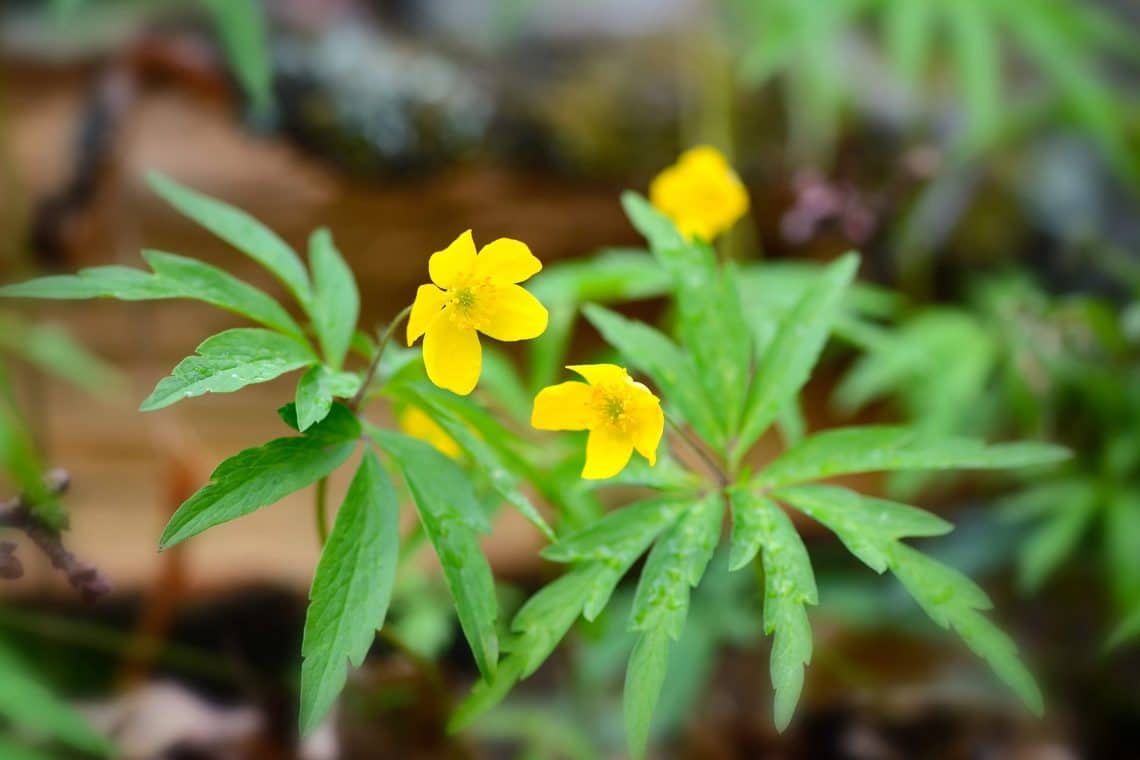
(671, 370)
(711, 319)
(622, 534)
(506, 484)
(52, 351)
(451, 517)
(976, 56)
(952, 601)
(336, 301)
(676, 564)
(316, 391)
(196, 279)
(1128, 630)
(173, 277)
(351, 588)
(1122, 546)
(910, 32)
(240, 230)
(789, 586)
(1054, 539)
(258, 477)
(643, 681)
(867, 526)
(229, 361)
(10, 751)
(877, 449)
(242, 28)
(786, 366)
(28, 705)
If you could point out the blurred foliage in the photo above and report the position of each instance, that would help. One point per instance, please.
(1019, 361)
(1007, 66)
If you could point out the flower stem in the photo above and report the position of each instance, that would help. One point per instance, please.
(322, 507)
(713, 466)
(385, 338)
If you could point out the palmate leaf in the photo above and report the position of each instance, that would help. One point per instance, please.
(28, 705)
(668, 366)
(789, 585)
(318, 388)
(452, 518)
(866, 525)
(953, 601)
(603, 553)
(261, 476)
(351, 588)
(336, 300)
(710, 316)
(230, 361)
(786, 366)
(432, 401)
(883, 448)
(240, 230)
(173, 277)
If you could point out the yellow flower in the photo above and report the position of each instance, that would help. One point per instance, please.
(700, 193)
(416, 423)
(473, 293)
(621, 415)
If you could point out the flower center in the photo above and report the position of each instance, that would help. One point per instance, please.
(470, 302)
(612, 407)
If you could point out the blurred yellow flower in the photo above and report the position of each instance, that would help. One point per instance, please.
(416, 423)
(621, 415)
(473, 293)
(700, 193)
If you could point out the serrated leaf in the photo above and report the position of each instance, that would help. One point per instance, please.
(786, 366)
(123, 283)
(789, 585)
(316, 390)
(643, 681)
(867, 526)
(336, 300)
(881, 448)
(953, 601)
(667, 365)
(675, 565)
(28, 705)
(261, 476)
(451, 517)
(505, 483)
(229, 361)
(620, 534)
(666, 475)
(351, 590)
(240, 230)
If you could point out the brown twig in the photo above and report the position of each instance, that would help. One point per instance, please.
(19, 514)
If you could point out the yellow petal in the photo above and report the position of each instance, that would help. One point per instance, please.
(416, 423)
(453, 262)
(701, 193)
(565, 406)
(650, 425)
(429, 301)
(606, 454)
(600, 374)
(507, 261)
(515, 315)
(452, 355)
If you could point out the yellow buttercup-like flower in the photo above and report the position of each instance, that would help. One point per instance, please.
(473, 293)
(416, 423)
(621, 415)
(700, 193)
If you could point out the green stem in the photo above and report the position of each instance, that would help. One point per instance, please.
(385, 338)
(322, 509)
(714, 467)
